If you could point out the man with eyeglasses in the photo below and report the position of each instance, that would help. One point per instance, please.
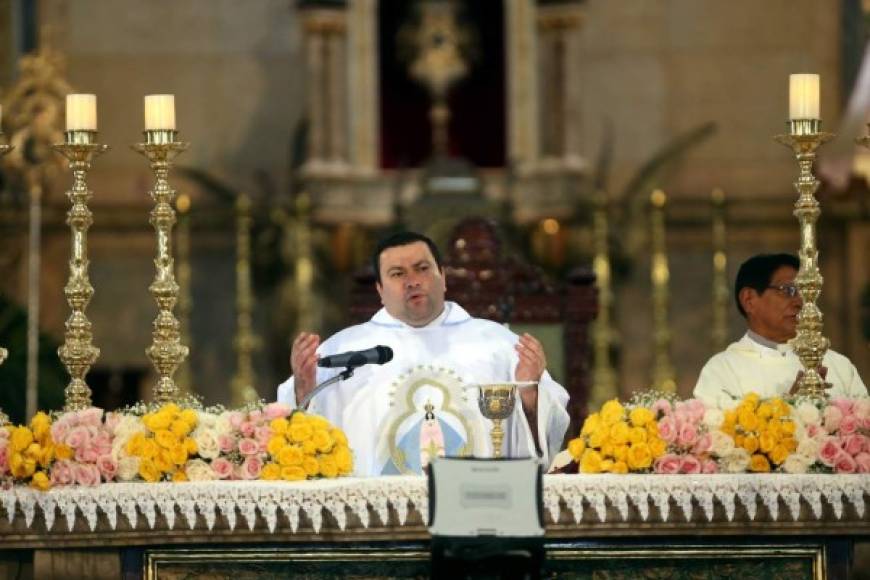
(763, 361)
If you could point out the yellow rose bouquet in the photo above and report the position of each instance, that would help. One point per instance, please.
(618, 439)
(27, 452)
(302, 446)
(764, 430)
(163, 447)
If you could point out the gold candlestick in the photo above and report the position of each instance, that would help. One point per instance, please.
(804, 138)
(663, 370)
(496, 402)
(4, 418)
(603, 375)
(721, 294)
(166, 351)
(77, 352)
(242, 386)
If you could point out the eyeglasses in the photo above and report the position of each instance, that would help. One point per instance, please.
(789, 290)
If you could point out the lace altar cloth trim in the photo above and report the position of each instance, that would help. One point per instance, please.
(240, 502)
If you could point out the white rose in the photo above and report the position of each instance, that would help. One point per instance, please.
(206, 420)
(199, 470)
(809, 448)
(128, 468)
(808, 413)
(721, 443)
(737, 461)
(222, 425)
(796, 463)
(206, 443)
(713, 418)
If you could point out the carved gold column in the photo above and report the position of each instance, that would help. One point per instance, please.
(77, 352)
(604, 385)
(721, 293)
(804, 137)
(4, 418)
(242, 385)
(185, 299)
(166, 351)
(663, 370)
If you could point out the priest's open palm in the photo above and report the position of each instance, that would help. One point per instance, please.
(532, 363)
(303, 362)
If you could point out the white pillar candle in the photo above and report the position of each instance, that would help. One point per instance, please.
(159, 112)
(81, 112)
(803, 96)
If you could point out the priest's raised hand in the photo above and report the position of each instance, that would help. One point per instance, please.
(303, 362)
(533, 362)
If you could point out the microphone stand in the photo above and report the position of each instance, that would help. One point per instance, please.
(342, 376)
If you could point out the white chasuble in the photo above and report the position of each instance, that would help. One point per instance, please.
(422, 404)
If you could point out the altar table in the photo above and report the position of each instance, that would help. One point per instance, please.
(608, 526)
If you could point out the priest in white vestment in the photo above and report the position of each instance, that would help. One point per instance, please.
(423, 401)
(763, 361)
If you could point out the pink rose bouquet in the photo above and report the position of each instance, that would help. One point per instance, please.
(83, 449)
(683, 427)
(844, 446)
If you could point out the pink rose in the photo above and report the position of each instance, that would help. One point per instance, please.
(112, 421)
(108, 467)
(263, 433)
(61, 473)
(78, 437)
(255, 415)
(696, 409)
(103, 443)
(236, 419)
(4, 460)
(829, 451)
(688, 435)
(833, 415)
(661, 406)
(845, 463)
(276, 410)
(853, 444)
(87, 475)
(59, 430)
(861, 409)
(249, 447)
(667, 429)
(92, 417)
(667, 464)
(813, 430)
(87, 454)
(251, 468)
(849, 424)
(703, 445)
(227, 443)
(690, 464)
(863, 462)
(222, 467)
(845, 405)
(247, 428)
(709, 466)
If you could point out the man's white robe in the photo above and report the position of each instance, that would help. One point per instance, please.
(477, 350)
(748, 366)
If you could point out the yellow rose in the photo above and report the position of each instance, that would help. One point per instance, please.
(640, 456)
(751, 400)
(271, 472)
(148, 471)
(33, 451)
(40, 481)
(774, 428)
(21, 439)
(779, 454)
(343, 460)
(322, 440)
(311, 466)
(149, 449)
(298, 418)
(606, 465)
(730, 418)
(637, 435)
(599, 438)
(759, 464)
(179, 476)
(62, 451)
(766, 442)
(747, 420)
(739, 439)
(15, 464)
(178, 454)
(292, 473)
(750, 443)
(612, 412)
(765, 411)
(657, 447)
(591, 424)
(619, 467)
(180, 428)
(163, 461)
(40, 425)
(620, 452)
(190, 446)
(339, 436)
(28, 467)
(780, 408)
(787, 427)
(619, 433)
(590, 462)
(165, 438)
(607, 450)
(300, 432)
(159, 420)
(134, 444)
(652, 429)
(309, 448)
(190, 417)
(46, 456)
(275, 445)
(279, 426)
(290, 455)
(318, 422)
(576, 448)
(789, 443)
(328, 468)
(640, 416)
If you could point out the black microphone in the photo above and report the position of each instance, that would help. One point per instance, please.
(377, 355)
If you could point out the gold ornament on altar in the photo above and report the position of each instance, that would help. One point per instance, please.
(166, 351)
(496, 403)
(78, 353)
(804, 137)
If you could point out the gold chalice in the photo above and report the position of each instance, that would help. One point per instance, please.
(496, 402)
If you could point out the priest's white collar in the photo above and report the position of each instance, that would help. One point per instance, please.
(765, 345)
(452, 314)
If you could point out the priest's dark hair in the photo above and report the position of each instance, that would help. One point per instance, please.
(757, 271)
(402, 239)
